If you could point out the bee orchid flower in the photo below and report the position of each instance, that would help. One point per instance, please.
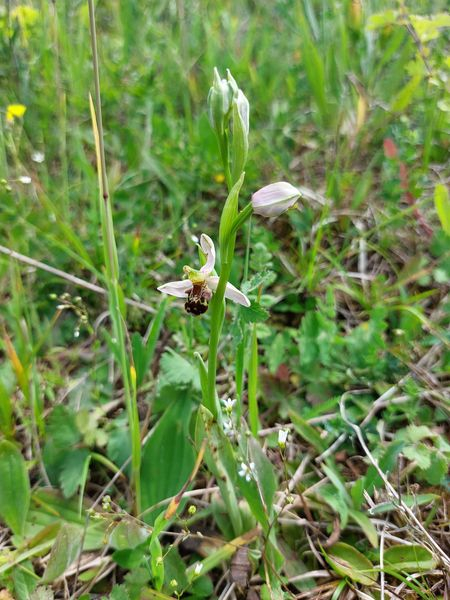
(200, 284)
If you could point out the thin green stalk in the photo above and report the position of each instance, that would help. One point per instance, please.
(217, 316)
(253, 384)
(240, 352)
(112, 277)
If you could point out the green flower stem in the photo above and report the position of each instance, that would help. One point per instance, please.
(217, 316)
(218, 309)
(240, 351)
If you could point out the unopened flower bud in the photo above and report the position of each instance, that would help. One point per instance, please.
(274, 199)
(219, 102)
(244, 110)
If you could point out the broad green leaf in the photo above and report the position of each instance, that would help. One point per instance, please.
(221, 461)
(71, 476)
(409, 558)
(366, 525)
(349, 562)
(14, 487)
(442, 204)
(129, 558)
(168, 456)
(128, 534)
(65, 550)
(62, 427)
(49, 509)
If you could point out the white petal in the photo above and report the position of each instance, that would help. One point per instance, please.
(207, 245)
(231, 292)
(176, 288)
(274, 199)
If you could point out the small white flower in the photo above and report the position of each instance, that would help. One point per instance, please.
(228, 405)
(246, 471)
(38, 157)
(274, 199)
(25, 179)
(198, 569)
(198, 288)
(228, 427)
(282, 437)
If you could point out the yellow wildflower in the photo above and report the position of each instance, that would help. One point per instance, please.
(15, 111)
(219, 178)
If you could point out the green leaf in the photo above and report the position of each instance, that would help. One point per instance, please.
(404, 97)
(42, 593)
(366, 525)
(62, 427)
(71, 476)
(387, 464)
(308, 432)
(128, 535)
(129, 558)
(65, 550)
(119, 592)
(349, 562)
(328, 494)
(264, 278)
(229, 213)
(442, 204)
(167, 457)
(221, 461)
(239, 145)
(420, 453)
(438, 469)
(144, 349)
(6, 411)
(314, 65)
(14, 487)
(176, 371)
(255, 313)
(409, 558)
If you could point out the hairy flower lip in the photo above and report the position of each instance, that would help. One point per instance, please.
(274, 199)
(204, 275)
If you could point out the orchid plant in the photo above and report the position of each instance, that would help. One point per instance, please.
(228, 111)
